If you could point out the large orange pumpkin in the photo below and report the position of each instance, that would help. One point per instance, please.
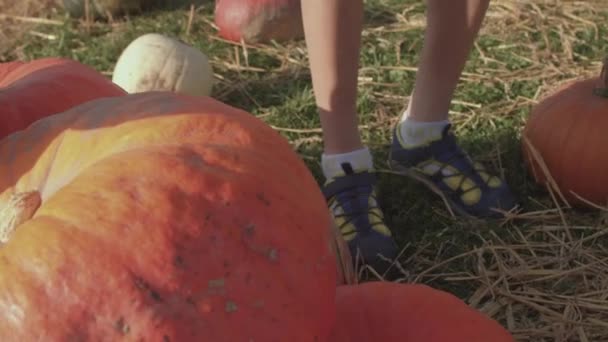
(565, 136)
(32, 90)
(392, 312)
(161, 217)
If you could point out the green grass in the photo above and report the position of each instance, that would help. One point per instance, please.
(515, 60)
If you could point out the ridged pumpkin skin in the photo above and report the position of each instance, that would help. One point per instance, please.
(259, 21)
(32, 90)
(156, 62)
(568, 130)
(393, 312)
(163, 218)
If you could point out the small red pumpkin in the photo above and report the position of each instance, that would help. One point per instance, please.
(566, 131)
(392, 312)
(161, 217)
(259, 21)
(35, 89)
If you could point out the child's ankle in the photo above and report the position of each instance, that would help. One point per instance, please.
(415, 133)
(333, 165)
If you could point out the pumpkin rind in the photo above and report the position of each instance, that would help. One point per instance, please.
(32, 90)
(394, 312)
(567, 130)
(155, 62)
(163, 217)
(259, 21)
(8, 67)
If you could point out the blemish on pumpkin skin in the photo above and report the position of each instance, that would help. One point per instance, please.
(248, 234)
(215, 283)
(249, 230)
(216, 286)
(178, 262)
(192, 158)
(144, 286)
(231, 306)
(273, 254)
(258, 304)
(134, 195)
(260, 196)
(121, 326)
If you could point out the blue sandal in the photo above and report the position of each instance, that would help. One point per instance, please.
(352, 202)
(442, 166)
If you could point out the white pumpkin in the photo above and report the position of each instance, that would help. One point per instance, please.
(157, 62)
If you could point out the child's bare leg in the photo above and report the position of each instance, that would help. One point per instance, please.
(421, 141)
(333, 35)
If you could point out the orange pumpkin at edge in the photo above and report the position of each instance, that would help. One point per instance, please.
(258, 21)
(161, 216)
(396, 312)
(567, 130)
(31, 90)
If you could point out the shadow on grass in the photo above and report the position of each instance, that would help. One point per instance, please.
(249, 90)
(77, 8)
(384, 12)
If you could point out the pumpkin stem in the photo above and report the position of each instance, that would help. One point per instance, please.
(603, 90)
(20, 208)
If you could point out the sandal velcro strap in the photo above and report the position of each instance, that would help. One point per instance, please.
(347, 182)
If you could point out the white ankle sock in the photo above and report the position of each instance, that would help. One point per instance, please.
(359, 160)
(414, 133)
